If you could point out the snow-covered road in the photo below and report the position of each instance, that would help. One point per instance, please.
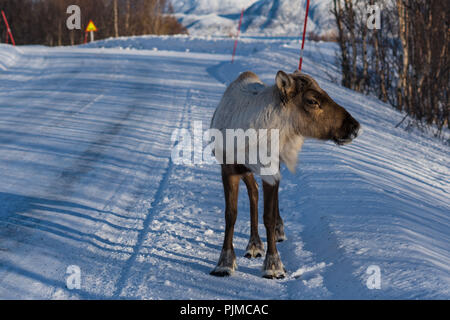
(86, 179)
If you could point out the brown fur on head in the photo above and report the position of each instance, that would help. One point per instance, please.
(315, 114)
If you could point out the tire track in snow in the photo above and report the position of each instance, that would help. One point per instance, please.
(30, 90)
(63, 187)
(158, 199)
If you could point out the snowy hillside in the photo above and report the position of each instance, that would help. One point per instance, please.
(261, 17)
(208, 6)
(86, 179)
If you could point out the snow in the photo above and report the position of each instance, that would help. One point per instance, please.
(208, 6)
(86, 179)
(261, 18)
(8, 56)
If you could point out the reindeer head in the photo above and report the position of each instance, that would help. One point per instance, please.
(312, 112)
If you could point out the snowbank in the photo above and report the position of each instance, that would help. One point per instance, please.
(8, 56)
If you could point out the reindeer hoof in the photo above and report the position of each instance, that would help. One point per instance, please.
(255, 249)
(222, 271)
(273, 267)
(226, 265)
(279, 233)
(274, 276)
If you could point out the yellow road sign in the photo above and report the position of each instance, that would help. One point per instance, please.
(91, 27)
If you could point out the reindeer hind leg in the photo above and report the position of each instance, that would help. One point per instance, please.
(255, 247)
(227, 261)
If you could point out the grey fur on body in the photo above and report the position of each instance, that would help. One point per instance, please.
(249, 103)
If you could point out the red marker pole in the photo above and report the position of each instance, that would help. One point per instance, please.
(237, 37)
(304, 34)
(8, 29)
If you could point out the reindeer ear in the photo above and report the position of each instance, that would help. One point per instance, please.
(286, 85)
(284, 81)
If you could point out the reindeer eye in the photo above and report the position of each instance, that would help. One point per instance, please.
(312, 102)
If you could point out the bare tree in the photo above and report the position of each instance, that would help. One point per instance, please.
(127, 16)
(407, 63)
(44, 21)
(342, 40)
(116, 19)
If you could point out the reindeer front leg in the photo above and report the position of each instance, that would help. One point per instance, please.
(279, 228)
(273, 267)
(227, 261)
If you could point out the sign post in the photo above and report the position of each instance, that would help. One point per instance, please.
(90, 28)
(8, 29)
(304, 34)
(237, 37)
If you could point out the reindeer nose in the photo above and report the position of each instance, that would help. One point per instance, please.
(357, 130)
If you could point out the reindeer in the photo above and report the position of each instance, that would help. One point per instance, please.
(299, 109)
